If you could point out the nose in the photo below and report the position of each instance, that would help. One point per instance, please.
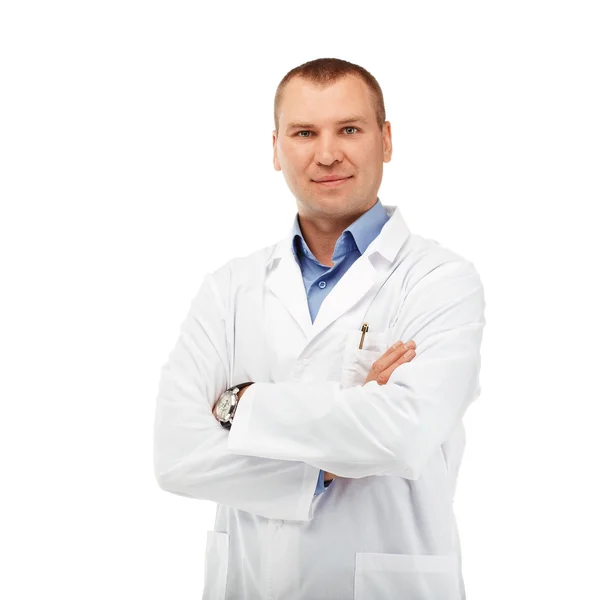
(328, 150)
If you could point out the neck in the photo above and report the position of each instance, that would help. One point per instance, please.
(321, 233)
(320, 236)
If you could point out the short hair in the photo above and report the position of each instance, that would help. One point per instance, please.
(324, 71)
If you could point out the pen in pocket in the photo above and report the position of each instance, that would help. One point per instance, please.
(364, 330)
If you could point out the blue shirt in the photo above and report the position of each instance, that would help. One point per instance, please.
(320, 279)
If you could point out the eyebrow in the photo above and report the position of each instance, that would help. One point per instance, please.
(353, 119)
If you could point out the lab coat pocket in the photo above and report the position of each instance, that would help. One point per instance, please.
(357, 362)
(381, 576)
(216, 562)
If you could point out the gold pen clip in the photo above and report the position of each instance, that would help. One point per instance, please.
(364, 330)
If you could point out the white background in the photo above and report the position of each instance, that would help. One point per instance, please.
(135, 156)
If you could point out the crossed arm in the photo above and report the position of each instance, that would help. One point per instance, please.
(284, 433)
(399, 353)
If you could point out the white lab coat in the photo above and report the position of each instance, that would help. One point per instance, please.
(385, 527)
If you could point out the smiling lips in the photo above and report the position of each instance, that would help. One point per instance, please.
(332, 181)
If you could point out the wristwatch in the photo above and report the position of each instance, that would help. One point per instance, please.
(227, 404)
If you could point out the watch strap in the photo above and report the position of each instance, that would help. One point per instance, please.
(241, 386)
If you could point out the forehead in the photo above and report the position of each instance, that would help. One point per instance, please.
(307, 102)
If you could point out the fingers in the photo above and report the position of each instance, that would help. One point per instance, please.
(392, 349)
(385, 374)
(392, 355)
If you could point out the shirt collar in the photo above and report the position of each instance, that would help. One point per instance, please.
(362, 231)
(387, 244)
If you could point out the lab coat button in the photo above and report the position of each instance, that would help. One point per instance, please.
(279, 522)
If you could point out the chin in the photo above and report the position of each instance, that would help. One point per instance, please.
(329, 205)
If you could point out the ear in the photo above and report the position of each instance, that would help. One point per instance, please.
(387, 141)
(276, 164)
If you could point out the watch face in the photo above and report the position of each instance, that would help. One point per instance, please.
(224, 404)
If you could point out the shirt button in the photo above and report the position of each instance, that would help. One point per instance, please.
(322, 284)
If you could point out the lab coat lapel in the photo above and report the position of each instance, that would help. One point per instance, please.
(367, 274)
(284, 279)
(355, 283)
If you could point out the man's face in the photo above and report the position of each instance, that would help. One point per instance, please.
(313, 143)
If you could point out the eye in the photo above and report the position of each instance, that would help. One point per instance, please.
(307, 131)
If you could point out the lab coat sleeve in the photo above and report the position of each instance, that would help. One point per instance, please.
(373, 429)
(190, 445)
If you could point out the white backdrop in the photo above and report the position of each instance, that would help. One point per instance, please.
(135, 156)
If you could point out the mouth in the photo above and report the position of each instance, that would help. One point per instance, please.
(333, 183)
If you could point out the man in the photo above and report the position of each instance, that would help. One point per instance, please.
(290, 374)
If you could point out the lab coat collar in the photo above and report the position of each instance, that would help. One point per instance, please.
(284, 277)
